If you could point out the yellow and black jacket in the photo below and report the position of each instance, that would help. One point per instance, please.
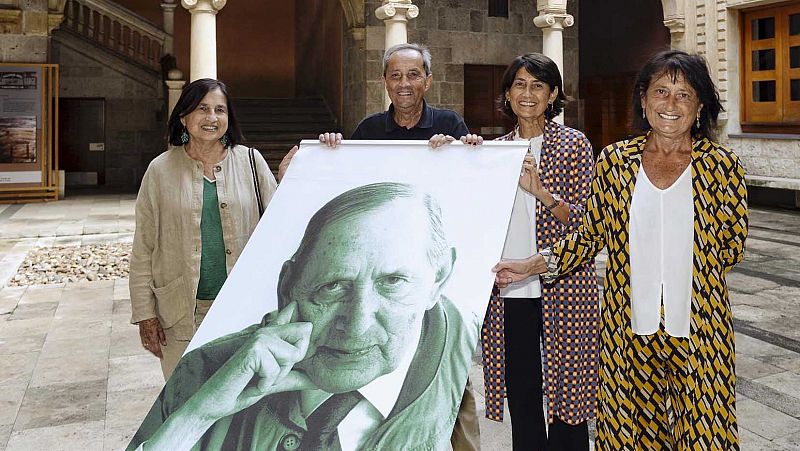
(720, 229)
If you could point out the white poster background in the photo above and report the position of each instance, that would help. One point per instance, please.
(475, 188)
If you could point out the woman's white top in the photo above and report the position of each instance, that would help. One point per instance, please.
(521, 236)
(661, 242)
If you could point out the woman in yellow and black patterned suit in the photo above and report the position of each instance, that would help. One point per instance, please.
(658, 349)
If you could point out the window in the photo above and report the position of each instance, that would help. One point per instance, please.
(498, 8)
(771, 67)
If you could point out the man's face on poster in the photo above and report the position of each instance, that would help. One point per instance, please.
(365, 287)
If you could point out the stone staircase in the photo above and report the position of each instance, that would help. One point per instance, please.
(274, 125)
(116, 30)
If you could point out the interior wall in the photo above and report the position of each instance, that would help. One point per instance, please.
(255, 44)
(614, 45)
(621, 35)
(319, 25)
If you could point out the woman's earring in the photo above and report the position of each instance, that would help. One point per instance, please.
(224, 140)
(506, 103)
(698, 120)
(643, 116)
(184, 136)
(550, 107)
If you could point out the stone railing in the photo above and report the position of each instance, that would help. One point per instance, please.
(117, 29)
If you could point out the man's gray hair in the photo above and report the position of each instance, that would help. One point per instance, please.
(419, 48)
(366, 199)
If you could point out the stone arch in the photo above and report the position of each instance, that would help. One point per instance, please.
(56, 6)
(675, 20)
(354, 13)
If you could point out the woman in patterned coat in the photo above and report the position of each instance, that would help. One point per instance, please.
(564, 316)
(671, 207)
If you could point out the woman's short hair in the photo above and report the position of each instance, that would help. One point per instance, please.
(191, 96)
(544, 69)
(695, 71)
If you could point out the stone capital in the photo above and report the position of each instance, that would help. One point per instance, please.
(203, 6)
(169, 6)
(550, 20)
(10, 21)
(398, 10)
(54, 21)
(176, 85)
(359, 34)
(675, 24)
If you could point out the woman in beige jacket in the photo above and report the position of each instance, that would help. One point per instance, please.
(197, 206)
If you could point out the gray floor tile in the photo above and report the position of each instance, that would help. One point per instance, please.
(85, 436)
(134, 372)
(67, 347)
(20, 371)
(752, 368)
(11, 395)
(66, 369)
(42, 293)
(31, 311)
(21, 344)
(77, 328)
(785, 382)
(126, 343)
(125, 412)
(5, 433)
(751, 441)
(765, 421)
(60, 404)
(790, 442)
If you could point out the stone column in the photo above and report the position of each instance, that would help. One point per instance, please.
(203, 54)
(168, 8)
(175, 84)
(552, 19)
(395, 15)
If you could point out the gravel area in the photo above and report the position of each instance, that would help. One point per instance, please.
(73, 263)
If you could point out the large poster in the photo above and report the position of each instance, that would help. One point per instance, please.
(20, 124)
(351, 317)
(18, 139)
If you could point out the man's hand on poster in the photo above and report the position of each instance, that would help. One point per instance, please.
(152, 335)
(440, 140)
(330, 139)
(262, 366)
(472, 140)
(509, 271)
(284, 166)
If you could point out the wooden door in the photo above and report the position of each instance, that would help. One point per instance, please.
(481, 91)
(81, 141)
(607, 108)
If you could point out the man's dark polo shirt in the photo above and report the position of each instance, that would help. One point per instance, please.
(433, 121)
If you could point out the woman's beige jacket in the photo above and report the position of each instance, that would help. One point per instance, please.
(165, 262)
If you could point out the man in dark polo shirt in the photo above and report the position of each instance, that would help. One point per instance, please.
(407, 76)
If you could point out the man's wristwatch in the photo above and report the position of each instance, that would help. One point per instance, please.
(556, 202)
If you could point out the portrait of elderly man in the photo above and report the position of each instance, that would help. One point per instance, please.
(363, 352)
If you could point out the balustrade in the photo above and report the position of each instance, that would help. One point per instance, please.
(116, 29)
